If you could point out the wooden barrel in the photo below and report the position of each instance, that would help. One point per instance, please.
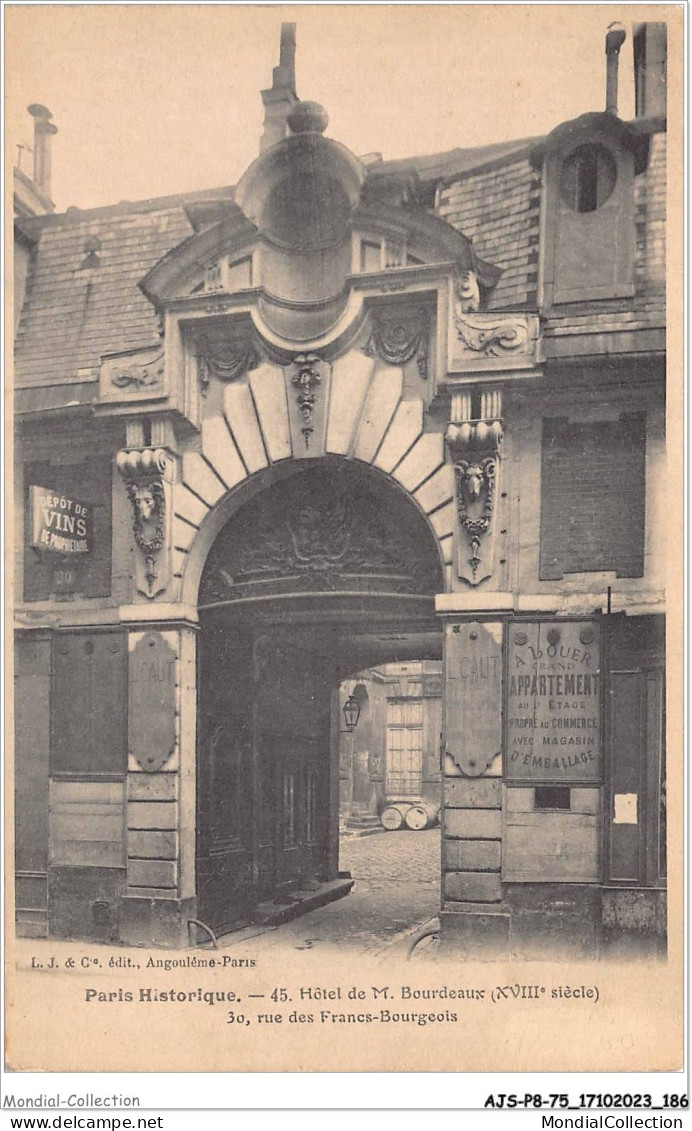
(392, 817)
(422, 815)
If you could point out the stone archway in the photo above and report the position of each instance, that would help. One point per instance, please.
(298, 577)
(250, 437)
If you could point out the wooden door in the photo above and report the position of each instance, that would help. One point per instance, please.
(292, 752)
(263, 770)
(301, 814)
(226, 806)
(635, 842)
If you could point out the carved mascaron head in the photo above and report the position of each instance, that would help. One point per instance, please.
(475, 478)
(145, 503)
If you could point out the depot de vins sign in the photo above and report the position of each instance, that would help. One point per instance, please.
(554, 702)
(60, 523)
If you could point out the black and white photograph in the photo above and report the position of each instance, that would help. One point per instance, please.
(344, 554)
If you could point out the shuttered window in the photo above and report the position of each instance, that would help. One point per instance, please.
(89, 714)
(592, 497)
(404, 747)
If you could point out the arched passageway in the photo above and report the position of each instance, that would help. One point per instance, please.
(315, 576)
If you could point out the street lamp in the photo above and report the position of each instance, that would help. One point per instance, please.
(351, 711)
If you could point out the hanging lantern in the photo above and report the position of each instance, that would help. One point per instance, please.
(351, 711)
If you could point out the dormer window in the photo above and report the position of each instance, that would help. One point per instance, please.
(587, 209)
(587, 178)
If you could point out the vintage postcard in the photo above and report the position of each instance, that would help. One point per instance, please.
(345, 551)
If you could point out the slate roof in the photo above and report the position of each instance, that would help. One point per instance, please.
(78, 308)
(74, 313)
(453, 163)
(81, 304)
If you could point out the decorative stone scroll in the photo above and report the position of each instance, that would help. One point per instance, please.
(493, 337)
(481, 340)
(399, 333)
(132, 376)
(143, 473)
(138, 375)
(226, 360)
(474, 445)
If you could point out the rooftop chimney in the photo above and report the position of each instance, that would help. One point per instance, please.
(650, 51)
(281, 97)
(615, 37)
(43, 131)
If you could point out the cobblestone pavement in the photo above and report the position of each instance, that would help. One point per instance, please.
(397, 886)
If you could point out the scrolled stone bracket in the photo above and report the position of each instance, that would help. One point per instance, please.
(474, 445)
(146, 472)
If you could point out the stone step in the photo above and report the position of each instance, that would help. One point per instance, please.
(348, 834)
(272, 913)
(366, 821)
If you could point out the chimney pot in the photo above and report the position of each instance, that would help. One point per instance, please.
(649, 41)
(43, 131)
(615, 37)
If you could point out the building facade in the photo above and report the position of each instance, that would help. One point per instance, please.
(343, 414)
(389, 755)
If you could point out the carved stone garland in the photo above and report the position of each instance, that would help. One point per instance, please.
(143, 471)
(475, 481)
(226, 361)
(307, 382)
(399, 333)
(475, 449)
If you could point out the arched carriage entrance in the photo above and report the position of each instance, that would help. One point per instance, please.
(326, 570)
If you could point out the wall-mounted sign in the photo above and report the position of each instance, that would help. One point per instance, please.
(473, 654)
(553, 702)
(59, 522)
(152, 701)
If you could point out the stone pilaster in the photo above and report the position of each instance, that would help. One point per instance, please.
(160, 896)
(473, 916)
